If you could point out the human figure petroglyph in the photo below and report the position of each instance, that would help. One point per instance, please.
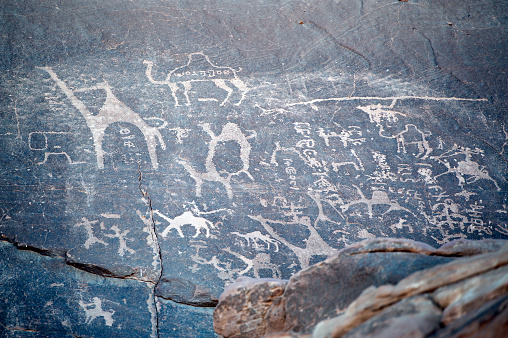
(122, 247)
(113, 110)
(199, 68)
(379, 197)
(255, 236)
(464, 168)
(230, 132)
(89, 230)
(94, 310)
(187, 218)
(314, 244)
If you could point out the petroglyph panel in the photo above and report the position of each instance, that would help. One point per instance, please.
(205, 142)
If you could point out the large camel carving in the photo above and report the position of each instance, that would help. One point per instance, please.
(199, 68)
(113, 110)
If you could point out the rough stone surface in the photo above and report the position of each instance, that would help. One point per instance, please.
(43, 297)
(412, 317)
(459, 293)
(202, 141)
(250, 308)
(336, 282)
(471, 294)
(461, 247)
(491, 320)
(373, 300)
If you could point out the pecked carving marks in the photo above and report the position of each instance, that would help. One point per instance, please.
(112, 111)
(199, 68)
(230, 132)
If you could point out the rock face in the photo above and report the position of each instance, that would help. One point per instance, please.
(181, 145)
(445, 296)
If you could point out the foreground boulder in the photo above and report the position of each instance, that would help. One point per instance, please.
(377, 288)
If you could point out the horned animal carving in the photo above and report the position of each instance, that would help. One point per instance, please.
(199, 68)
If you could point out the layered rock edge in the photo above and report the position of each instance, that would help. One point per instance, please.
(383, 287)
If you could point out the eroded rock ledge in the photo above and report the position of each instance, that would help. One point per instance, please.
(378, 288)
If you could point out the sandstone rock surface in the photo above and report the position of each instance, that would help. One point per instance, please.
(398, 298)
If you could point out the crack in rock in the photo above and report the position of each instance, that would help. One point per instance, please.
(155, 240)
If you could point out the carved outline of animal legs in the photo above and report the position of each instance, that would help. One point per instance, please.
(221, 83)
(186, 88)
(240, 85)
(174, 89)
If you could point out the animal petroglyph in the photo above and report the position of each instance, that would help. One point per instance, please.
(255, 236)
(378, 198)
(400, 225)
(112, 111)
(466, 171)
(94, 310)
(314, 244)
(89, 230)
(187, 218)
(230, 132)
(260, 261)
(199, 68)
(411, 137)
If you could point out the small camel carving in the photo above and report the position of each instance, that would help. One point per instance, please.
(112, 111)
(255, 236)
(199, 68)
(187, 217)
(378, 198)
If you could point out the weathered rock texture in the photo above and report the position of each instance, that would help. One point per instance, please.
(375, 289)
(183, 144)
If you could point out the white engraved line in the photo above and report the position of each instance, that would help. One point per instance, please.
(353, 98)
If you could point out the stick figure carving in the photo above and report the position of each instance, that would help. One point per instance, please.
(112, 111)
(199, 68)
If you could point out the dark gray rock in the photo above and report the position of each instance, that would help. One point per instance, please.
(42, 296)
(207, 141)
(184, 291)
(178, 320)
